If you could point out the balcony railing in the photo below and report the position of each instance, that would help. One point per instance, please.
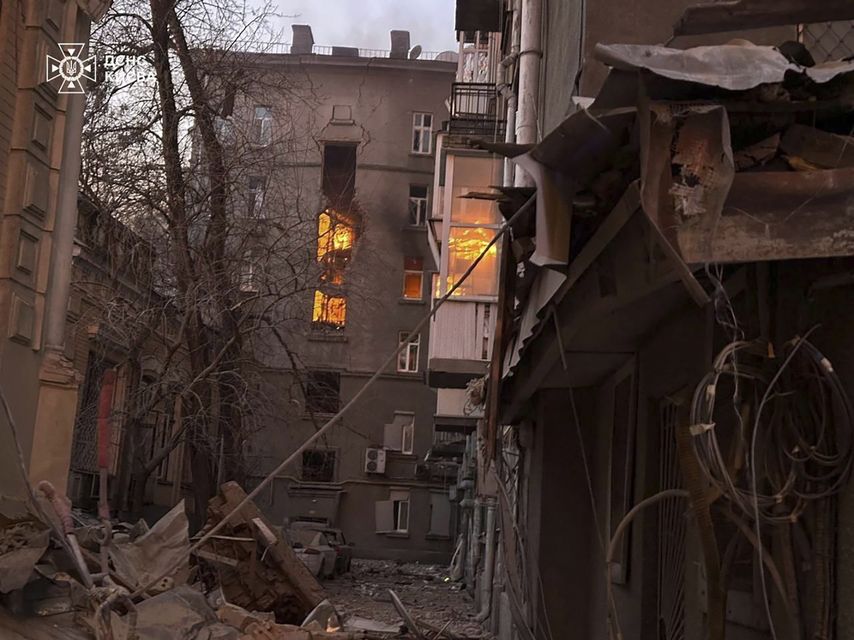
(476, 109)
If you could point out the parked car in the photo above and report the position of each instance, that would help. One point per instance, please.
(336, 539)
(314, 550)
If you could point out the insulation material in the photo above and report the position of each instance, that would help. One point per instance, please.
(554, 213)
(687, 165)
(151, 554)
(734, 67)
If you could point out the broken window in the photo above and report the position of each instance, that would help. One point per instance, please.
(400, 502)
(335, 237)
(422, 133)
(413, 278)
(255, 195)
(322, 391)
(329, 311)
(418, 205)
(339, 174)
(262, 125)
(400, 434)
(318, 465)
(440, 514)
(407, 359)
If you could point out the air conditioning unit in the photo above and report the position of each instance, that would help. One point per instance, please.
(374, 460)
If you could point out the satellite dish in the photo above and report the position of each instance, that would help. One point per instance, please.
(447, 56)
(416, 51)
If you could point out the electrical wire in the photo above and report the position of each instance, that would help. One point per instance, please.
(355, 399)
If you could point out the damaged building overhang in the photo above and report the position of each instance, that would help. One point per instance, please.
(728, 172)
(737, 15)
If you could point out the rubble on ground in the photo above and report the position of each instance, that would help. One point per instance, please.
(425, 590)
(113, 581)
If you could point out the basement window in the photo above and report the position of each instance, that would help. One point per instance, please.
(318, 465)
(422, 133)
(413, 278)
(322, 391)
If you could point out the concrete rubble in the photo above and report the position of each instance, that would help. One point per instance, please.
(245, 583)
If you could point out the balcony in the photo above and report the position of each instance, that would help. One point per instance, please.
(460, 343)
(476, 110)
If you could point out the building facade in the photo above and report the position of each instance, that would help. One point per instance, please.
(347, 145)
(39, 167)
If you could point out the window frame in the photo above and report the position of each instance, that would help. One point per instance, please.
(326, 453)
(406, 353)
(409, 269)
(407, 432)
(261, 124)
(313, 381)
(322, 322)
(401, 510)
(419, 128)
(256, 194)
(419, 206)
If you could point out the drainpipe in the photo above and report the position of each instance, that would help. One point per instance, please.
(474, 554)
(488, 574)
(529, 79)
(65, 220)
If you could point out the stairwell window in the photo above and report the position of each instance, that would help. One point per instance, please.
(413, 278)
(262, 126)
(422, 133)
(407, 359)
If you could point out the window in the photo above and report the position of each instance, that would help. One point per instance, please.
(329, 311)
(465, 244)
(418, 204)
(422, 133)
(335, 238)
(399, 435)
(400, 500)
(318, 465)
(339, 174)
(322, 391)
(262, 126)
(255, 195)
(392, 515)
(249, 276)
(413, 278)
(407, 359)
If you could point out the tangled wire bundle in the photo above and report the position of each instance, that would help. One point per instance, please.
(792, 443)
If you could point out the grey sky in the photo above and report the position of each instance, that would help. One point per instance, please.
(366, 23)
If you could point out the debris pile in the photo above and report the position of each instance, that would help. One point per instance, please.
(111, 581)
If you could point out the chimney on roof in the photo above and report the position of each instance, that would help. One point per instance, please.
(399, 45)
(303, 39)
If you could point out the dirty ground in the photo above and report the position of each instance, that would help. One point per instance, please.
(422, 588)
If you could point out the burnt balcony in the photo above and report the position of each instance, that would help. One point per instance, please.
(476, 110)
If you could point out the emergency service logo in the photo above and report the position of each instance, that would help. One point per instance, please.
(73, 67)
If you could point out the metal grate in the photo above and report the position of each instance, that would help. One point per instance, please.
(671, 531)
(476, 109)
(828, 40)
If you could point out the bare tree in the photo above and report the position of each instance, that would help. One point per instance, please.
(176, 156)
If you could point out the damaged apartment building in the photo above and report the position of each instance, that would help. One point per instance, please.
(664, 446)
(342, 154)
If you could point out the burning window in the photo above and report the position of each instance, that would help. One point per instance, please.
(322, 391)
(413, 278)
(335, 237)
(339, 173)
(465, 244)
(318, 465)
(329, 311)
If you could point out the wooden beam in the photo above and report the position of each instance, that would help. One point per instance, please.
(741, 15)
